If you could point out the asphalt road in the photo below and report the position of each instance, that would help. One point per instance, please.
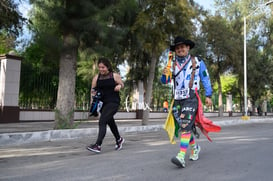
(237, 153)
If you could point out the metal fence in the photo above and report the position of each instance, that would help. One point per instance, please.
(39, 91)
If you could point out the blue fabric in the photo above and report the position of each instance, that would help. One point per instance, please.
(181, 60)
(204, 77)
(164, 79)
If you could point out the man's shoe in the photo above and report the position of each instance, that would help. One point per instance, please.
(195, 153)
(180, 162)
(119, 144)
(95, 148)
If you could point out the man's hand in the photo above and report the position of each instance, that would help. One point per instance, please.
(208, 101)
(165, 70)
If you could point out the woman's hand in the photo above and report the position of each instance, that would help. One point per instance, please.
(118, 87)
(118, 81)
(93, 92)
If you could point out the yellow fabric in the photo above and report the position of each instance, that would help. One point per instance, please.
(169, 125)
(168, 70)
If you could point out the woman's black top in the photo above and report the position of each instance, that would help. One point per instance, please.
(106, 85)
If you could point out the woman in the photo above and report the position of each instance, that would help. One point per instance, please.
(109, 84)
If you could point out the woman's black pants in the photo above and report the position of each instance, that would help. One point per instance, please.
(107, 117)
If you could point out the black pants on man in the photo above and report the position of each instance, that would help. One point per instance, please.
(187, 107)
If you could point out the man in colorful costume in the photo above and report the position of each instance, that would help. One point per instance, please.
(187, 73)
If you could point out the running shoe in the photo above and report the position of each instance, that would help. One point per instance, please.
(195, 153)
(180, 162)
(119, 143)
(95, 148)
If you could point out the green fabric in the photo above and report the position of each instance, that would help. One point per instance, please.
(205, 73)
(176, 132)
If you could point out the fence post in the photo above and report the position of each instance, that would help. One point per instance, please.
(9, 88)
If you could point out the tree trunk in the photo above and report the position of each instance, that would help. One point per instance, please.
(148, 93)
(140, 88)
(64, 115)
(138, 99)
(252, 111)
(220, 98)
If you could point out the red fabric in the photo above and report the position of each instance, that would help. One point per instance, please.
(204, 123)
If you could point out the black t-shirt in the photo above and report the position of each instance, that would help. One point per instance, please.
(106, 85)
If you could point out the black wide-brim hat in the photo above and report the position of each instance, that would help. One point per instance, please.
(180, 40)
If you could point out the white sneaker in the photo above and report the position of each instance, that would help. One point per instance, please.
(180, 162)
(195, 153)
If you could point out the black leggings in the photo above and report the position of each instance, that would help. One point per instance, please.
(107, 117)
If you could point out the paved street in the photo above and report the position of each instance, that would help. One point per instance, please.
(237, 153)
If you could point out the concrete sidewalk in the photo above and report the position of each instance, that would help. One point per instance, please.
(27, 132)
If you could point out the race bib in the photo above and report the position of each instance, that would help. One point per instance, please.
(182, 94)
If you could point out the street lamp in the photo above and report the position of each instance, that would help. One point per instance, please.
(245, 69)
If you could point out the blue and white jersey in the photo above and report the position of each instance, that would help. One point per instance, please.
(183, 77)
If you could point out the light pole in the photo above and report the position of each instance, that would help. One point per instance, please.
(245, 65)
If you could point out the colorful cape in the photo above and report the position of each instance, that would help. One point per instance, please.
(201, 121)
(204, 123)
